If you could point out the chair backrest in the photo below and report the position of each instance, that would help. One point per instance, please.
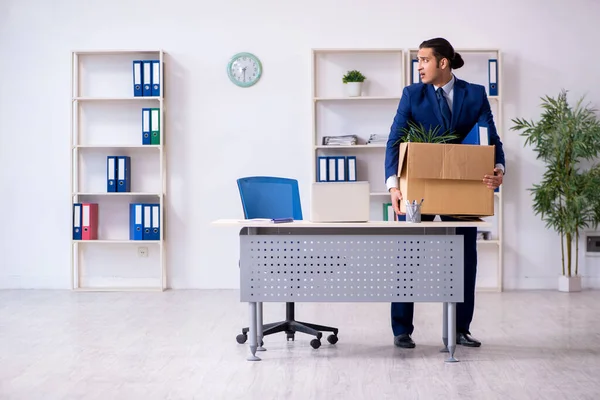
(270, 197)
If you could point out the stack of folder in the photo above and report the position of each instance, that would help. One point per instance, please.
(146, 78)
(336, 169)
(118, 174)
(151, 126)
(85, 221)
(144, 221)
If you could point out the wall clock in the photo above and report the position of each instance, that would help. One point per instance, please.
(244, 69)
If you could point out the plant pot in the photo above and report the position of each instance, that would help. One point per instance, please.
(354, 89)
(569, 283)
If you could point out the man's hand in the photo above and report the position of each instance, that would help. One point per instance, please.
(493, 181)
(396, 198)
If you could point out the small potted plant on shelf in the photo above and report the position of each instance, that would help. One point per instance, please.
(354, 80)
(568, 197)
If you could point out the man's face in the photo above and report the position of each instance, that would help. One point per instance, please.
(428, 69)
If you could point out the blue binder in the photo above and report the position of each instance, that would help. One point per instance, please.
(146, 131)
(155, 233)
(77, 221)
(147, 221)
(415, 75)
(322, 165)
(137, 78)
(493, 76)
(111, 174)
(123, 174)
(155, 77)
(136, 221)
(147, 78)
(351, 168)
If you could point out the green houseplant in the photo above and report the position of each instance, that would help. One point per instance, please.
(354, 79)
(568, 196)
(417, 133)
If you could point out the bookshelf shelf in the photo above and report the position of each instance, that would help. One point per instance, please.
(107, 99)
(108, 120)
(388, 71)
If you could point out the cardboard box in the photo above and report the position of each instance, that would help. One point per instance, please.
(448, 177)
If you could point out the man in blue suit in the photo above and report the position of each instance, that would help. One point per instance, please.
(454, 105)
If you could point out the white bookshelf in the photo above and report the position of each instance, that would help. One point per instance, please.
(388, 71)
(106, 120)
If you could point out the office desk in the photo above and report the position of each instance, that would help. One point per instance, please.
(386, 261)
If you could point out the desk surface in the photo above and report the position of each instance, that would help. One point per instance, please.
(267, 223)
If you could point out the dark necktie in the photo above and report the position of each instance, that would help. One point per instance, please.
(444, 109)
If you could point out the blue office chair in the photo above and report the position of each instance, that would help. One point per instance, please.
(272, 197)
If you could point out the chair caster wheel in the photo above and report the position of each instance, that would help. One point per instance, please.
(332, 339)
(290, 336)
(241, 338)
(315, 343)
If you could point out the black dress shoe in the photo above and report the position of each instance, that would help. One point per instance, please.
(466, 339)
(403, 340)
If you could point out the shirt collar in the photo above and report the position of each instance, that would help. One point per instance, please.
(448, 86)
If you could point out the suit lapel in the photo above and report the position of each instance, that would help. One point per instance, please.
(459, 95)
(434, 104)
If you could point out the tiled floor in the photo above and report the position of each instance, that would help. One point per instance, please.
(181, 345)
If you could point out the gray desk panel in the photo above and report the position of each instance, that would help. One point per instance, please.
(355, 266)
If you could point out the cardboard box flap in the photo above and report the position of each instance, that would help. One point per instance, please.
(402, 157)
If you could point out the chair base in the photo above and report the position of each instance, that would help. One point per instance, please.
(290, 326)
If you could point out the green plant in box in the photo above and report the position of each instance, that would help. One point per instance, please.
(417, 133)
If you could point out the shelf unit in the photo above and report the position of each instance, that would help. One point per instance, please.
(106, 120)
(388, 71)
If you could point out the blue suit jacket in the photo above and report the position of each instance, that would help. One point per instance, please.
(419, 104)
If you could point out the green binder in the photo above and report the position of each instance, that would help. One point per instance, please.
(155, 126)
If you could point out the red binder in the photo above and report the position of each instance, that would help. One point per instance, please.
(89, 221)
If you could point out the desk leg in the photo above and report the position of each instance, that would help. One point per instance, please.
(445, 328)
(252, 332)
(451, 332)
(259, 327)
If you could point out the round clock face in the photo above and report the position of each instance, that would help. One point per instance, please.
(244, 69)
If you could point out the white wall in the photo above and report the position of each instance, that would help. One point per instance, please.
(218, 132)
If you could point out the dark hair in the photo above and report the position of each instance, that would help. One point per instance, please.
(443, 49)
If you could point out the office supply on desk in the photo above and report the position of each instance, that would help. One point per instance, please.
(89, 221)
(146, 131)
(111, 174)
(123, 174)
(340, 201)
(272, 198)
(155, 77)
(413, 211)
(147, 78)
(137, 78)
